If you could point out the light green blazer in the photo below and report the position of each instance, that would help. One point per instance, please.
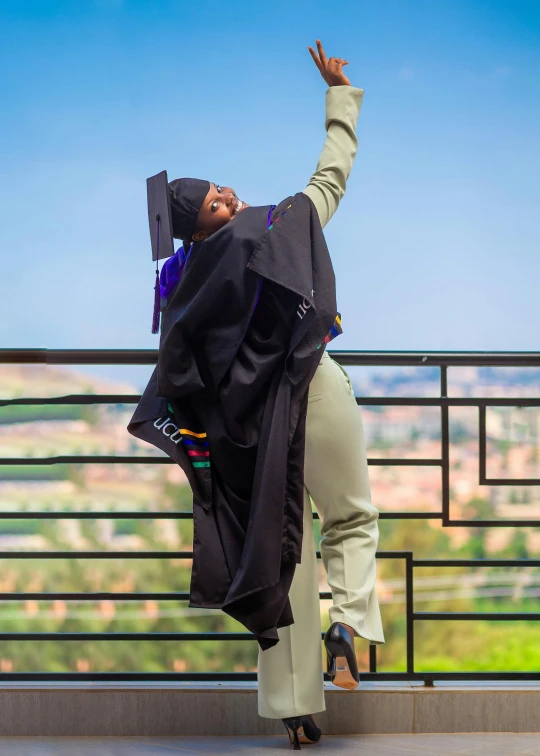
(327, 185)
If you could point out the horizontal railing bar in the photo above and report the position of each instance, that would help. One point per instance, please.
(126, 636)
(104, 596)
(132, 677)
(182, 516)
(161, 637)
(85, 460)
(511, 482)
(493, 523)
(96, 515)
(100, 596)
(445, 401)
(411, 516)
(493, 616)
(80, 356)
(403, 462)
(247, 676)
(349, 357)
(475, 562)
(450, 675)
(437, 359)
(139, 554)
(72, 399)
(399, 401)
(96, 555)
(185, 596)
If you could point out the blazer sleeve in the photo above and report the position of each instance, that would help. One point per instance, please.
(327, 185)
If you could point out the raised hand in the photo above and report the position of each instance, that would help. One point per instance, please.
(331, 69)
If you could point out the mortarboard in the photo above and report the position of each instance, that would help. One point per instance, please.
(161, 231)
(159, 216)
(172, 213)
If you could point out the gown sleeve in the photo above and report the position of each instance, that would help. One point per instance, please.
(327, 185)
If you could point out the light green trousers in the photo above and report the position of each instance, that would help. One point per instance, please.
(290, 674)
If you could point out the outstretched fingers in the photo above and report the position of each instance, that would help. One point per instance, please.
(316, 59)
(322, 54)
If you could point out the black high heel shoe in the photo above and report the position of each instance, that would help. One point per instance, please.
(340, 657)
(302, 730)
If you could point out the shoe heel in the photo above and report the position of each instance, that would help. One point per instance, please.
(292, 726)
(334, 649)
(330, 664)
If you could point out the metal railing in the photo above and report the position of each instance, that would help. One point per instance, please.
(440, 360)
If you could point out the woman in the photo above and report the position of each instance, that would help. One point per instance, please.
(335, 473)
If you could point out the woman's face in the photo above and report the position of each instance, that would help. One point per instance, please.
(220, 206)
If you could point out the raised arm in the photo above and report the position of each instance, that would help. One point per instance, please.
(327, 185)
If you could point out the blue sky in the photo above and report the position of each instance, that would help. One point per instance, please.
(436, 243)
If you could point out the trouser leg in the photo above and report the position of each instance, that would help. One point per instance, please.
(336, 476)
(290, 674)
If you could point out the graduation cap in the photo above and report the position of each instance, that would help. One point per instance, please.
(159, 216)
(161, 232)
(172, 213)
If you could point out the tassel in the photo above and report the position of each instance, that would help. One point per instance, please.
(157, 302)
(157, 295)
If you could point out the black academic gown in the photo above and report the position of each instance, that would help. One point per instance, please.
(241, 339)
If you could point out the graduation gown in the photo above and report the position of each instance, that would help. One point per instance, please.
(242, 336)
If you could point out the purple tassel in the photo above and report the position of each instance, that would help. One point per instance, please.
(157, 302)
(157, 294)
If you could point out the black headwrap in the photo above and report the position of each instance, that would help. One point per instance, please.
(186, 197)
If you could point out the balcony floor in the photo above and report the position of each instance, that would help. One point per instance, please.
(462, 744)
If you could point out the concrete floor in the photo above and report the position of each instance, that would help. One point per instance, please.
(463, 744)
